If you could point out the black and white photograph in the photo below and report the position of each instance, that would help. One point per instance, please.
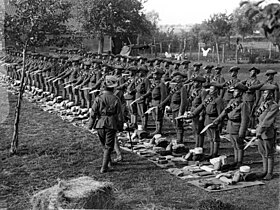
(139, 104)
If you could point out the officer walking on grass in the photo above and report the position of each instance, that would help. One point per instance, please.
(107, 118)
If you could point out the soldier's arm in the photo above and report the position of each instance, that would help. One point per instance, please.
(277, 93)
(184, 96)
(197, 111)
(93, 113)
(245, 117)
(258, 96)
(269, 118)
(163, 91)
(219, 105)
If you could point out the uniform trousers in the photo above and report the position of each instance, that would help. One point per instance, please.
(107, 138)
(266, 147)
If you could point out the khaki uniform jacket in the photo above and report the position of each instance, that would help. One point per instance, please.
(106, 112)
(265, 128)
(238, 118)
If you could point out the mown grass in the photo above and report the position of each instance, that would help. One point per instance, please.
(51, 148)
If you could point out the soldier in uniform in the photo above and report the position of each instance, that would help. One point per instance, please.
(270, 80)
(266, 130)
(158, 92)
(142, 85)
(196, 96)
(219, 79)
(213, 106)
(230, 83)
(208, 74)
(107, 118)
(130, 95)
(252, 97)
(238, 113)
(185, 68)
(178, 103)
(196, 70)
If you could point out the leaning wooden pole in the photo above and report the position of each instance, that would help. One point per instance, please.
(14, 143)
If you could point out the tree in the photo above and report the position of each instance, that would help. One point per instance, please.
(267, 16)
(27, 22)
(220, 25)
(242, 24)
(112, 18)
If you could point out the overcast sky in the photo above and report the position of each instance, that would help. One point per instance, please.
(189, 11)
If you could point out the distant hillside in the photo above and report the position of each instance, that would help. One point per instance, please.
(177, 28)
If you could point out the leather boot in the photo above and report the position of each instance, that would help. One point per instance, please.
(180, 136)
(118, 151)
(157, 129)
(263, 174)
(216, 147)
(76, 99)
(270, 166)
(105, 161)
(240, 154)
(211, 147)
(144, 122)
(200, 140)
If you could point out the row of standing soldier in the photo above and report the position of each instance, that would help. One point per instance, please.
(208, 97)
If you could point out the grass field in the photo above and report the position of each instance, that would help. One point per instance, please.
(51, 148)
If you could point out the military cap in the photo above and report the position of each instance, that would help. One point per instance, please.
(218, 67)
(185, 62)
(98, 61)
(111, 81)
(55, 57)
(143, 68)
(215, 84)
(175, 62)
(197, 64)
(118, 67)
(176, 73)
(269, 87)
(105, 55)
(256, 70)
(132, 68)
(143, 58)
(234, 68)
(208, 67)
(63, 57)
(87, 63)
(167, 61)
(76, 59)
(151, 60)
(270, 72)
(158, 70)
(199, 79)
(240, 86)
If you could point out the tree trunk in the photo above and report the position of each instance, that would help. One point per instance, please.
(198, 54)
(155, 47)
(14, 143)
(223, 54)
(169, 48)
(218, 56)
(190, 58)
(160, 47)
(236, 54)
(270, 50)
(100, 44)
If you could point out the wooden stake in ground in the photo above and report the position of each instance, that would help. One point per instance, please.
(14, 143)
